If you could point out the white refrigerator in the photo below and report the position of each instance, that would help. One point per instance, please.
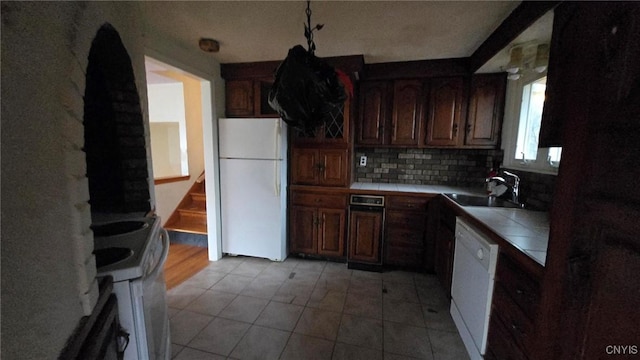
(253, 187)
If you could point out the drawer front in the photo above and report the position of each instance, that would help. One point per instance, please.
(416, 203)
(338, 201)
(515, 321)
(403, 236)
(500, 345)
(522, 288)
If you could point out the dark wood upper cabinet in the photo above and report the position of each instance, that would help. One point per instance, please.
(374, 107)
(334, 131)
(239, 98)
(249, 98)
(486, 109)
(390, 113)
(445, 111)
(407, 112)
(322, 167)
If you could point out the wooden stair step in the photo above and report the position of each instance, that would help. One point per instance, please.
(195, 206)
(198, 196)
(188, 227)
(190, 216)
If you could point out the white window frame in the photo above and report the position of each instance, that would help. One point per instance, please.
(511, 122)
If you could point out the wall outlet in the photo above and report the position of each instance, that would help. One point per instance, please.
(363, 160)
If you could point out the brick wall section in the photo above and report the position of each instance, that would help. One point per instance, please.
(114, 129)
(455, 167)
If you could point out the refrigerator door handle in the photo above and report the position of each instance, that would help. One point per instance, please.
(277, 157)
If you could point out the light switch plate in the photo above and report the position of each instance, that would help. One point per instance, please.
(363, 160)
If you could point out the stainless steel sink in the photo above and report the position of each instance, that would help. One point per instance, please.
(477, 200)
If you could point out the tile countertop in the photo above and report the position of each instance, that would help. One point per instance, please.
(431, 189)
(526, 230)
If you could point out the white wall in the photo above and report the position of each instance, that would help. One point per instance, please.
(168, 195)
(168, 129)
(48, 270)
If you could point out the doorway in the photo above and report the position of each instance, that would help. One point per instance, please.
(180, 123)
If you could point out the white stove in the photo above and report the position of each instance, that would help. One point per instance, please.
(133, 252)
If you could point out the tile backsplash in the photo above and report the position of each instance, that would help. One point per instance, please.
(536, 190)
(453, 167)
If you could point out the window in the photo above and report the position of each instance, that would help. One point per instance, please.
(525, 100)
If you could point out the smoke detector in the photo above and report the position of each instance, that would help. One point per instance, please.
(209, 45)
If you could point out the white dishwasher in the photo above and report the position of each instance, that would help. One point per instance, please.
(474, 267)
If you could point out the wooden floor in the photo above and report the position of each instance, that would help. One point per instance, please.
(183, 262)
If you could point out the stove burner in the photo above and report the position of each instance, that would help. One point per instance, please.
(112, 255)
(117, 228)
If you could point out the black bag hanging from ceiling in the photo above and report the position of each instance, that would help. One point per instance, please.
(306, 90)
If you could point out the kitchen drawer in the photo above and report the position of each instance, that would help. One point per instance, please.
(500, 344)
(518, 285)
(417, 203)
(338, 201)
(515, 321)
(416, 221)
(404, 236)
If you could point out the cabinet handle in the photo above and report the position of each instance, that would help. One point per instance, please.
(515, 327)
(455, 129)
(468, 128)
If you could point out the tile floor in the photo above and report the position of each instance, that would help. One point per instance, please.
(248, 308)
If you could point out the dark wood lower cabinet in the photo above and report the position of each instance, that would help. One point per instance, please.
(515, 301)
(317, 223)
(407, 243)
(404, 238)
(331, 230)
(365, 236)
(303, 231)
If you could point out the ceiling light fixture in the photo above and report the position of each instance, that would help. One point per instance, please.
(529, 56)
(209, 45)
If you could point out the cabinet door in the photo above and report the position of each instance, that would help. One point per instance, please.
(407, 112)
(305, 166)
(261, 88)
(333, 167)
(374, 97)
(334, 129)
(239, 98)
(331, 230)
(486, 108)
(446, 96)
(365, 236)
(303, 230)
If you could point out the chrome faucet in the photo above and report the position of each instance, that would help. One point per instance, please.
(513, 187)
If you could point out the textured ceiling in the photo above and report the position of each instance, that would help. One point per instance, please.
(382, 31)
